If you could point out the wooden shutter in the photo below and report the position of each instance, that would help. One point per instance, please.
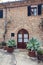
(39, 9)
(1, 13)
(29, 10)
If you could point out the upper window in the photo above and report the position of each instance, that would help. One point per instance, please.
(42, 6)
(34, 10)
(1, 13)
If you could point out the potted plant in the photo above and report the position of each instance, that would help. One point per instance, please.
(32, 46)
(40, 54)
(4, 45)
(11, 44)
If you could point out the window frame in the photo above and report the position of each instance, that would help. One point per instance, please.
(12, 34)
(34, 7)
(38, 10)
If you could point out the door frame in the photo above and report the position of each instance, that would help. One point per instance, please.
(19, 33)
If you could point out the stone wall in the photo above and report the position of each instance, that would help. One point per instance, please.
(20, 20)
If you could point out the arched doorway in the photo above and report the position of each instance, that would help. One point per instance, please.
(22, 38)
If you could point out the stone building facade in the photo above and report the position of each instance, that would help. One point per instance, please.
(22, 25)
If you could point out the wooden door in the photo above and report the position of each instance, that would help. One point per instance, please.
(22, 38)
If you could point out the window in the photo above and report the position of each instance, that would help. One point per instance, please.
(42, 6)
(19, 37)
(34, 10)
(25, 37)
(1, 13)
(12, 34)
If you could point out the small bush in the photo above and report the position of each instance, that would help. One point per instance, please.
(11, 43)
(33, 44)
(3, 43)
(40, 52)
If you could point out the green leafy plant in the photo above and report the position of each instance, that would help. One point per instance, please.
(40, 52)
(33, 44)
(3, 43)
(11, 43)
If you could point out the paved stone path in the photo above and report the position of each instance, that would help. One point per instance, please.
(23, 59)
(18, 57)
(6, 58)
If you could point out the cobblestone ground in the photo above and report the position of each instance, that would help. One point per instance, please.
(18, 57)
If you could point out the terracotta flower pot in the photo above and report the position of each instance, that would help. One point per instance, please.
(10, 49)
(40, 57)
(31, 53)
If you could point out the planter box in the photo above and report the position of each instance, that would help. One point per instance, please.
(40, 57)
(31, 53)
(10, 50)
